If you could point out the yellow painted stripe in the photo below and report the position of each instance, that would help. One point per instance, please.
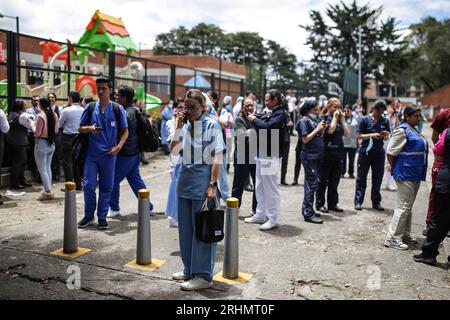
(74, 255)
(243, 278)
(156, 264)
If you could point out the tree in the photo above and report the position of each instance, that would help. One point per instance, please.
(335, 45)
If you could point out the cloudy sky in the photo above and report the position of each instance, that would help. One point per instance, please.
(273, 19)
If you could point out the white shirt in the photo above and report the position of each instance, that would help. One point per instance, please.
(4, 125)
(70, 119)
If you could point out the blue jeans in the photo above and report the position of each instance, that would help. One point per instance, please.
(102, 167)
(126, 167)
(43, 153)
(198, 257)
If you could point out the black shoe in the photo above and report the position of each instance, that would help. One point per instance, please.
(448, 234)
(295, 183)
(249, 188)
(378, 207)
(421, 258)
(337, 209)
(19, 187)
(358, 207)
(83, 223)
(318, 215)
(314, 219)
(103, 225)
(284, 183)
(448, 259)
(26, 184)
(351, 177)
(145, 162)
(342, 176)
(323, 209)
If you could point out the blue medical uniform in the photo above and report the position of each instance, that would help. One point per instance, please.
(199, 149)
(371, 155)
(98, 163)
(166, 115)
(127, 163)
(311, 156)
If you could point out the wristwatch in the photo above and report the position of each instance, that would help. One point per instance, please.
(213, 184)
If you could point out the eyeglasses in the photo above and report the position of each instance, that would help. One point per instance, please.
(192, 106)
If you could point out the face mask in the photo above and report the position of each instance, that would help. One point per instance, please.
(313, 116)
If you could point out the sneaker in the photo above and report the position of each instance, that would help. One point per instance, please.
(103, 225)
(313, 219)
(269, 226)
(83, 223)
(409, 240)
(255, 219)
(172, 223)
(46, 196)
(358, 207)
(196, 284)
(112, 213)
(151, 208)
(423, 259)
(395, 244)
(323, 209)
(181, 276)
(378, 207)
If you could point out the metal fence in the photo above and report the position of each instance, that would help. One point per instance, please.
(44, 65)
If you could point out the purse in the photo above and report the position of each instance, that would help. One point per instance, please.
(209, 224)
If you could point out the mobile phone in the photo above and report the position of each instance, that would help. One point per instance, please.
(99, 128)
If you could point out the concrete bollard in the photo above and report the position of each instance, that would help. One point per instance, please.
(70, 220)
(231, 256)
(144, 245)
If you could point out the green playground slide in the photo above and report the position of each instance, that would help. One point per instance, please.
(152, 102)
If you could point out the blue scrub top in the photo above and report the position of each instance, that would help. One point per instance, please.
(195, 173)
(101, 143)
(167, 115)
(368, 125)
(314, 149)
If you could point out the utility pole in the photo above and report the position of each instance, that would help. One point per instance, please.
(359, 64)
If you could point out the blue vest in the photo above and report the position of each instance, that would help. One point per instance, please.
(411, 163)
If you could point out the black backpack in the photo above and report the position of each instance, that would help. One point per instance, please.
(148, 138)
(81, 142)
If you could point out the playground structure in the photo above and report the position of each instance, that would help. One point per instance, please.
(103, 34)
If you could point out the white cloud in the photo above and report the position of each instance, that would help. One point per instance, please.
(273, 19)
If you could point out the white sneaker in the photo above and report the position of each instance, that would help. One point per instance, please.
(112, 213)
(172, 223)
(254, 219)
(391, 188)
(180, 276)
(396, 244)
(269, 225)
(196, 284)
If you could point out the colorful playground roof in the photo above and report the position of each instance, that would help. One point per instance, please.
(106, 32)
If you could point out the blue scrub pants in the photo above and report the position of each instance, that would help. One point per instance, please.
(310, 186)
(224, 190)
(126, 167)
(374, 160)
(102, 167)
(198, 257)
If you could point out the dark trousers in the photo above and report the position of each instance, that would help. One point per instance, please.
(241, 173)
(374, 160)
(56, 160)
(439, 225)
(310, 186)
(351, 154)
(31, 163)
(298, 159)
(18, 164)
(72, 172)
(2, 149)
(329, 177)
(284, 161)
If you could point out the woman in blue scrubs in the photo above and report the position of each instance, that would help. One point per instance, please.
(202, 150)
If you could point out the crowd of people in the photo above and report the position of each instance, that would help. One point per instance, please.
(203, 135)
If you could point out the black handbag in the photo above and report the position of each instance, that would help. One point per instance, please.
(209, 224)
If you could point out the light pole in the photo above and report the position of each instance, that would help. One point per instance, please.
(359, 62)
(18, 42)
(139, 45)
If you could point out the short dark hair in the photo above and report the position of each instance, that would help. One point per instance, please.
(380, 104)
(18, 105)
(127, 92)
(88, 99)
(75, 95)
(103, 79)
